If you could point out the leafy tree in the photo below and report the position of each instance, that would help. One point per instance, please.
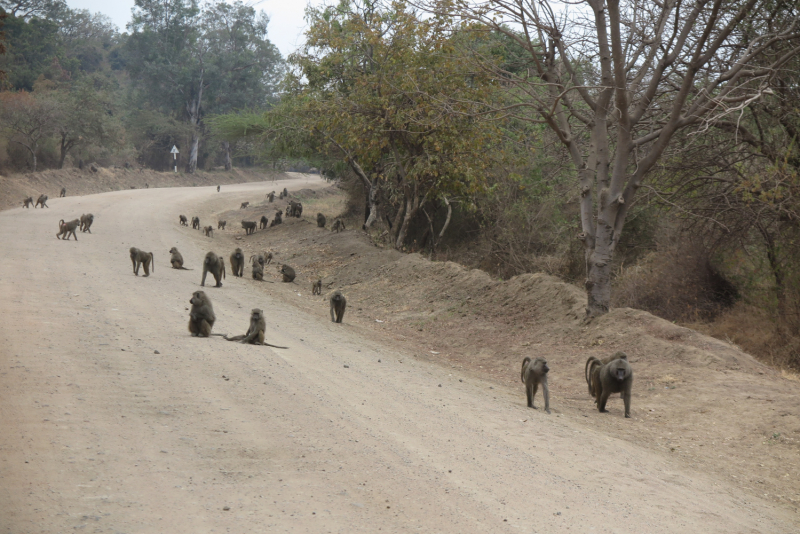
(32, 47)
(27, 120)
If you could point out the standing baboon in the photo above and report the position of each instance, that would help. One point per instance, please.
(86, 222)
(258, 267)
(316, 288)
(244, 205)
(237, 262)
(338, 226)
(263, 223)
(592, 364)
(216, 265)
(255, 332)
(533, 374)
(41, 200)
(201, 317)
(271, 196)
(27, 203)
(208, 231)
(338, 304)
(221, 224)
(321, 220)
(217, 189)
(267, 258)
(249, 227)
(195, 223)
(277, 220)
(63, 192)
(184, 220)
(139, 257)
(288, 273)
(614, 377)
(65, 229)
(176, 259)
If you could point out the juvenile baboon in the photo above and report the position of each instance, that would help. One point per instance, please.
(244, 205)
(263, 223)
(184, 220)
(249, 227)
(176, 259)
(289, 210)
(41, 200)
(217, 189)
(338, 226)
(27, 203)
(271, 196)
(65, 229)
(195, 223)
(267, 258)
(338, 304)
(63, 192)
(288, 273)
(316, 288)
(614, 377)
(201, 316)
(139, 257)
(208, 231)
(255, 332)
(216, 265)
(533, 374)
(237, 262)
(258, 267)
(86, 222)
(321, 220)
(221, 224)
(277, 220)
(592, 365)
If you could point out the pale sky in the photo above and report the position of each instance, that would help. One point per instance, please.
(285, 29)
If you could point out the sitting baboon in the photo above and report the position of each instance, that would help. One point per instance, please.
(533, 374)
(201, 316)
(176, 259)
(280, 195)
(255, 332)
(294, 209)
(285, 193)
(338, 305)
(41, 200)
(139, 257)
(249, 227)
(288, 210)
(184, 220)
(63, 192)
(216, 265)
(195, 223)
(321, 220)
(237, 262)
(338, 226)
(298, 210)
(593, 364)
(221, 224)
(27, 202)
(86, 222)
(277, 220)
(288, 273)
(316, 288)
(258, 267)
(271, 196)
(244, 205)
(263, 223)
(65, 229)
(217, 189)
(208, 231)
(614, 377)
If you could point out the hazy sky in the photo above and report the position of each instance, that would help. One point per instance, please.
(285, 27)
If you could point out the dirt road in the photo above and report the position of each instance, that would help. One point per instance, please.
(114, 419)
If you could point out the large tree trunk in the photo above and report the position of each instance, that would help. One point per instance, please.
(412, 205)
(226, 147)
(65, 146)
(193, 109)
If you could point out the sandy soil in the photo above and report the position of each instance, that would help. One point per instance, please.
(114, 419)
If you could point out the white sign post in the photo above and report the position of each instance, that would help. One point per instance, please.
(174, 153)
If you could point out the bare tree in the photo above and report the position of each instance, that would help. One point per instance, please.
(27, 119)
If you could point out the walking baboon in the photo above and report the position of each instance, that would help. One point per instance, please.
(592, 364)
(176, 259)
(86, 222)
(217, 189)
(195, 223)
(277, 220)
(533, 374)
(263, 223)
(338, 226)
(184, 220)
(139, 257)
(255, 332)
(41, 200)
(614, 377)
(65, 229)
(201, 316)
(288, 273)
(267, 258)
(258, 267)
(216, 265)
(208, 231)
(63, 192)
(28, 202)
(271, 196)
(249, 227)
(321, 220)
(237, 262)
(316, 288)
(338, 304)
(244, 205)
(221, 224)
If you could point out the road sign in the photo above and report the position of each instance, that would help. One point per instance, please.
(174, 150)
(174, 153)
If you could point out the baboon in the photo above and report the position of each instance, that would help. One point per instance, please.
(244, 205)
(294, 209)
(321, 220)
(237, 262)
(533, 374)
(65, 229)
(133, 187)
(184, 220)
(263, 223)
(201, 316)
(86, 222)
(288, 273)
(593, 364)
(288, 210)
(146, 185)
(277, 220)
(217, 189)
(316, 288)
(338, 226)
(139, 257)
(338, 304)
(216, 265)
(63, 192)
(285, 193)
(280, 195)
(255, 332)
(221, 224)
(176, 259)
(271, 196)
(195, 223)
(41, 200)
(27, 202)
(208, 231)
(249, 227)
(614, 377)
(267, 258)
(258, 267)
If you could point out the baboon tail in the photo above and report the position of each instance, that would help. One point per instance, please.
(274, 346)
(587, 371)
(525, 362)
